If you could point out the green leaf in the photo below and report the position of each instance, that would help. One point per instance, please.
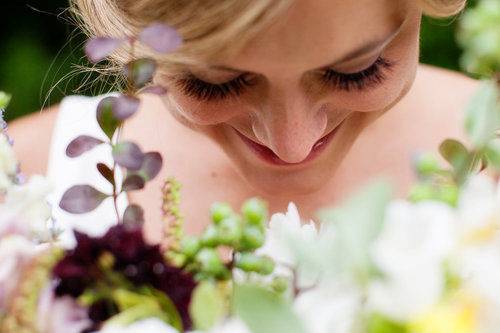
(492, 152)
(483, 115)
(378, 323)
(207, 306)
(264, 311)
(454, 152)
(4, 99)
(106, 118)
(355, 225)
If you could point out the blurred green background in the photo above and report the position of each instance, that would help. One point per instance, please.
(40, 48)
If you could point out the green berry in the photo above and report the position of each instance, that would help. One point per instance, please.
(253, 237)
(229, 231)
(221, 211)
(190, 246)
(254, 211)
(210, 237)
(279, 284)
(449, 195)
(422, 192)
(427, 164)
(250, 262)
(210, 262)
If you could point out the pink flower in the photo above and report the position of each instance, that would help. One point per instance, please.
(61, 314)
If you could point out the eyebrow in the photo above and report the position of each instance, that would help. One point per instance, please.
(364, 49)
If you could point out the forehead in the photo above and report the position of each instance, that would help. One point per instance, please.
(314, 31)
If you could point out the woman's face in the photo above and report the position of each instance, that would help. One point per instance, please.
(289, 106)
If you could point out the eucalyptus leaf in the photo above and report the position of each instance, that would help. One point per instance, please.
(161, 38)
(140, 72)
(133, 183)
(82, 144)
(99, 48)
(81, 199)
(133, 215)
(151, 165)
(454, 152)
(264, 311)
(354, 227)
(207, 306)
(106, 118)
(483, 114)
(128, 155)
(106, 172)
(125, 106)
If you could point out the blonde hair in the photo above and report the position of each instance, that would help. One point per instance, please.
(207, 26)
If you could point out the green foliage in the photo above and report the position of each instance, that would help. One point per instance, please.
(479, 35)
(378, 323)
(208, 306)
(264, 311)
(4, 99)
(357, 223)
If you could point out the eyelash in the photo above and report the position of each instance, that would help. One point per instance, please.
(373, 75)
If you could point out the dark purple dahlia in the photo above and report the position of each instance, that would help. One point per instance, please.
(141, 263)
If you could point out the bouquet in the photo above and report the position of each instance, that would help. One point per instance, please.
(427, 263)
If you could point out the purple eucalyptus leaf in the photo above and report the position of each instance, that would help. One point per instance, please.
(155, 90)
(128, 155)
(81, 199)
(106, 172)
(100, 48)
(133, 182)
(140, 72)
(161, 38)
(106, 116)
(133, 215)
(125, 106)
(82, 144)
(151, 166)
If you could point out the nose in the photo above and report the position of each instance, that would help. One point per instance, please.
(290, 125)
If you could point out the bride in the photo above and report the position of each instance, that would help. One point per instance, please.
(289, 100)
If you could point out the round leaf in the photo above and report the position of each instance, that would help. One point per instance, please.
(140, 72)
(106, 117)
(106, 172)
(99, 48)
(81, 199)
(128, 155)
(161, 38)
(82, 144)
(454, 152)
(151, 165)
(133, 215)
(133, 183)
(125, 106)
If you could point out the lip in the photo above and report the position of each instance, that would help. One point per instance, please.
(267, 155)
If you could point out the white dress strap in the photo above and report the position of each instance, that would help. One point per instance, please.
(77, 116)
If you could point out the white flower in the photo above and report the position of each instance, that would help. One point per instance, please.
(292, 244)
(233, 325)
(28, 204)
(8, 163)
(410, 252)
(329, 308)
(60, 314)
(149, 325)
(15, 252)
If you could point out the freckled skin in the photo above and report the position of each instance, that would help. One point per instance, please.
(288, 110)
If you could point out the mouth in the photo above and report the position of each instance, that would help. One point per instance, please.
(267, 155)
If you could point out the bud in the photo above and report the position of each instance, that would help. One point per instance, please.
(254, 211)
(279, 284)
(210, 237)
(210, 262)
(229, 231)
(253, 237)
(426, 164)
(250, 262)
(190, 246)
(221, 211)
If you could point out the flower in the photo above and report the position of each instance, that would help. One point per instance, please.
(410, 253)
(27, 204)
(293, 246)
(149, 325)
(232, 325)
(15, 253)
(122, 250)
(8, 163)
(60, 314)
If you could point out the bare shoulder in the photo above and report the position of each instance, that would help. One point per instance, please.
(32, 136)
